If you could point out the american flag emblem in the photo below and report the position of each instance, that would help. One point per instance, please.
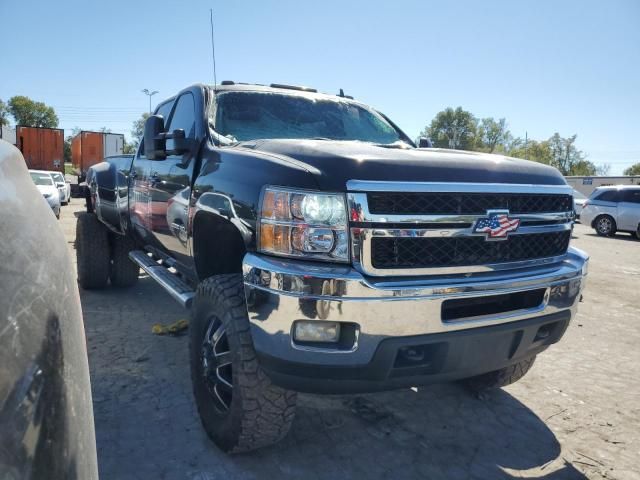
(497, 225)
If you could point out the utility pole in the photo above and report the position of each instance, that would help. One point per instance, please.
(149, 94)
(526, 145)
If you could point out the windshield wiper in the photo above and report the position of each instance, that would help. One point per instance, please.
(399, 145)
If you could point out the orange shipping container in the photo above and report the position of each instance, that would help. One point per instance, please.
(89, 148)
(42, 148)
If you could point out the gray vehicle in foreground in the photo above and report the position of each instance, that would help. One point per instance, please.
(46, 413)
(321, 250)
(613, 209)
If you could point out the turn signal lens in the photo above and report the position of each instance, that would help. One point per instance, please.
(275, 205)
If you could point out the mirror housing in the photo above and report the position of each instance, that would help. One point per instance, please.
(155, 144)
(155, 139)
(424, 142)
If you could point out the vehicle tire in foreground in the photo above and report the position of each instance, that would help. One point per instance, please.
(500, 378)
(92, 252)
(239, 407)
(605, 226)
(122, 272)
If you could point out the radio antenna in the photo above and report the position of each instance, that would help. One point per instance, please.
(213, 51)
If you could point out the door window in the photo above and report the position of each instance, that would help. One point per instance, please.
(164, 110)
(183, 117)
(632, 196)
(608, 196)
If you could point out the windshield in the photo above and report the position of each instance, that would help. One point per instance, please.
(41, 178)
(578, 195)
(253, 115)
(57, 177)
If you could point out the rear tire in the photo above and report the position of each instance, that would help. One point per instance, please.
(500, 378)
(239, 407)
(123, 272)
(92, 252)
(605, 226)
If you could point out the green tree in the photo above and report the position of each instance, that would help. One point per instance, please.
(492, 133)
(32, 114)
(566, 157)
(633, 169)
(67, 144)
(137, 131)
(453, 129)
(128, 147)
(603, 169)
(533, 150)
(4, 114)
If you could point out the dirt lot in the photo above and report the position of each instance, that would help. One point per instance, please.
(575, 415)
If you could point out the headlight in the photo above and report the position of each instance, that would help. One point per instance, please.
(303, 224)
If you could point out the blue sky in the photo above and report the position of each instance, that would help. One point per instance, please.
(546, 66)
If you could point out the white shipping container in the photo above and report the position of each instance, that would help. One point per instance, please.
(113, 144)
(8, 134)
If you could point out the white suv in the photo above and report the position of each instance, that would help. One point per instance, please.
(613, 209)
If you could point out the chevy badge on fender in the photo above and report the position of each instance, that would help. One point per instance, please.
(497, 225)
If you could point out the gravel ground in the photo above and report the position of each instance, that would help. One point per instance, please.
(575, 415)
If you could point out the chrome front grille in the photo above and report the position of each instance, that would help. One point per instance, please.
(428, 228)
(403, 252)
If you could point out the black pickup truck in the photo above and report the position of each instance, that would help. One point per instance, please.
(320, 250)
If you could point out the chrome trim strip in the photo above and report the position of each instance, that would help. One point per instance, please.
(298, 278)
(458, 232)
(381, 186)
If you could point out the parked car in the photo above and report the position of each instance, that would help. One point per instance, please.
(64, 187)
(578, 202)
(613, 209)
(321, 250)
(48, 189)
(46, 413)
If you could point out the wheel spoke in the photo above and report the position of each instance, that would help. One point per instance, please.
(223, 359)
(223, 381)
(219, 397)
(215, 338)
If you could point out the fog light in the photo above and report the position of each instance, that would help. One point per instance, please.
(316, 331)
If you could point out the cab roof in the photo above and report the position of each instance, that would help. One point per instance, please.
(231, 86)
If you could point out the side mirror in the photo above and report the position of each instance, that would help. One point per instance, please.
(155, 139)
(424, 142)
(155, 144)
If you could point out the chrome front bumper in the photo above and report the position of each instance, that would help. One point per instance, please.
(279, 292)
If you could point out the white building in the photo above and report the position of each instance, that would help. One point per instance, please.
(586, 185)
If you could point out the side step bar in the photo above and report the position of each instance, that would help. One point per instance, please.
(178, 289)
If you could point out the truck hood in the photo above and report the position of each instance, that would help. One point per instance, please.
(335, 162)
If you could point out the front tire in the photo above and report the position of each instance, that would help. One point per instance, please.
(605, 226)
(500, 378)
(92, 252)
(239, 407)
